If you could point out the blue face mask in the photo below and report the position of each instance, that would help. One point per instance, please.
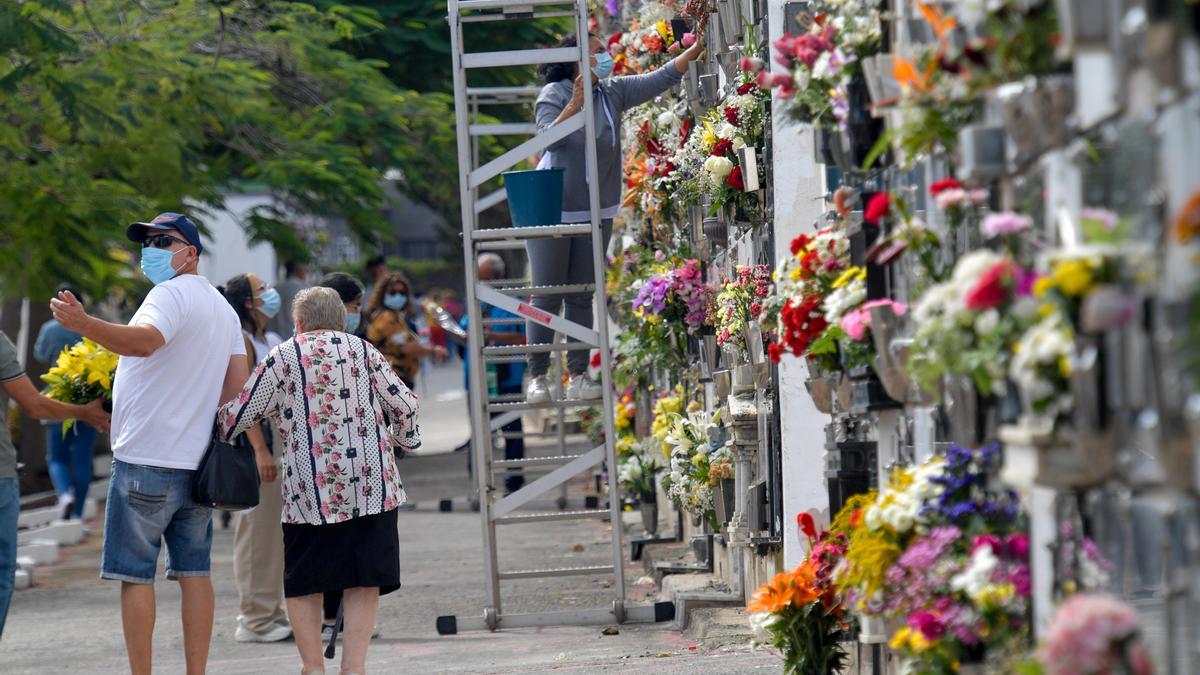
(271, 303)
(352, 322)
(156, 264)
(395, 301)
(604, 65)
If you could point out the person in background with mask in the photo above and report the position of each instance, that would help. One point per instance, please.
(568, 260)
(376, 270)
(391, 310)
(69, 455)
(182, 354)
(258, 535)
(295, 280)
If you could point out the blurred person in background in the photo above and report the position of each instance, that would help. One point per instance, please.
(295, 279)
(391, 312)
(342, 486)
(16, 384)
(69, 455)
(375, 272)
(502, 378)
(258, 536)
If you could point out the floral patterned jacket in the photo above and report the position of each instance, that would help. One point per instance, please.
(339, 408)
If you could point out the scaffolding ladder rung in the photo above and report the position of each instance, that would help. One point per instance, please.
(499, 246)
(550, 516)
(558, 572)
(532, 232)
(520, 57)
(536, 348)
(506, 398)
(546, 405)
(564, 289)
(504, 321)
(537, 434)
(473, 5)
(514, 358)
(515, 14)
(504, 92)
(503, 129)
(533, 461)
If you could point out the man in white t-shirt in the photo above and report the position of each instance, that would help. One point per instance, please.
(182, 355)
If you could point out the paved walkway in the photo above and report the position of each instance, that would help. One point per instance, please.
(70, 622)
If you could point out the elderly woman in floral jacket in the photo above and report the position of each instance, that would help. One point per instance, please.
(340, 409)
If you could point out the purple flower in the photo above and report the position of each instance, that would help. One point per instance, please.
(1000, 224)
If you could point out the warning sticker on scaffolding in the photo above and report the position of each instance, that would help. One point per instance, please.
(534, 313)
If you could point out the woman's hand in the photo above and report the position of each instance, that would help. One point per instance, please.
(576, 103)
(691, 53)
(268, 470)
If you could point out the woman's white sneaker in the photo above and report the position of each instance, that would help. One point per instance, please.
(538, 390)
(583, 388)
(276, 633)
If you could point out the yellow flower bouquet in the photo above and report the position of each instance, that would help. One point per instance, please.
(83, 373)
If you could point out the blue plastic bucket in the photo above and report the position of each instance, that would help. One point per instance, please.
(534, 197)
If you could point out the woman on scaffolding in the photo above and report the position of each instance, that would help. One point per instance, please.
(568, 260)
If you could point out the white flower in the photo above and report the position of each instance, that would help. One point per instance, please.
(986, 322)
(760, 625)
(972, 266)
(719, 167)
(873, 517)
(738, 143)
(978, 573)
(666, 119)
(727, 131)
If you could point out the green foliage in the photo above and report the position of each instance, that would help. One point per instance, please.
(808, 637)
(111, 111)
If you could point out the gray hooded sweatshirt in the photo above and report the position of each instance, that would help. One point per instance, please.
(611, 98)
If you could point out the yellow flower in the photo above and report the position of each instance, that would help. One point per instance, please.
(663, 29)
(900, 638)
(918, 643)
(994, 595)
(1042, 286)
(709, 137)
(794, 275)
(1064, 366)
(854, 273)
(1073, 277)
(1045, 309)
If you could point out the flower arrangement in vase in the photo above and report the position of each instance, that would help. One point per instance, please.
(944, 555)
(800, 613)
(697, 463)
(822, 62)
(739, 301)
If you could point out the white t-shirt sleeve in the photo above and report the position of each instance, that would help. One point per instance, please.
(237, 345)
(162, 309)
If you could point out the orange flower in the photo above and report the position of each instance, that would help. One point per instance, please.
(939, 22)
(910, 80)
(1187, 221)
(787, 589)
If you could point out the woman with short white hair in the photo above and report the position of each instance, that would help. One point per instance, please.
(340, 409)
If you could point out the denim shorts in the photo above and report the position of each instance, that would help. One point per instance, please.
(148, 505)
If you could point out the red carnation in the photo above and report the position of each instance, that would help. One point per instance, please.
(746, 88)
(878, 207)
(721, 147)
(734, 179)
(731, 116)
(943, 185)
(595, 362)
(775, 352)
(799, 243)
(992, 288)
(614, 38)
(807, 525)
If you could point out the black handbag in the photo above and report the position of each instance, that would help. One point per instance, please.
(227, 477)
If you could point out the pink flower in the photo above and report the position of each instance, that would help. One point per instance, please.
(1088, 634)
(856, 322)
(751, 64)
(688, 39)
(992, 288)
(313, 422)
(1000, 224)
(1017, 546)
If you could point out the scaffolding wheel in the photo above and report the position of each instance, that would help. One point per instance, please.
(561, 503)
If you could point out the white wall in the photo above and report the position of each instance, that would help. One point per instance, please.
(227, 250)
(798, 185)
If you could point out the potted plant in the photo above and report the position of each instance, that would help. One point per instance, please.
(638, 476)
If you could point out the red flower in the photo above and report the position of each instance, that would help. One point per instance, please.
(614, 38)
(878, 207)
(944, 184)
(806, 524)
(734, 179)
(684, 130)
(992, 288)
(799, 243)
(775, 352)
(731, 116)
(721, 147)
(746, 88)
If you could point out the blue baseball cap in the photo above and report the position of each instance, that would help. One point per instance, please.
(166, 222)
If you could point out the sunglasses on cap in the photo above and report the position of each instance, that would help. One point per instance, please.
(162, 241)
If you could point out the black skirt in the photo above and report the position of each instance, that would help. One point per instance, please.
(363, 551)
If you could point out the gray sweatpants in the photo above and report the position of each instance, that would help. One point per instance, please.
(556, 262)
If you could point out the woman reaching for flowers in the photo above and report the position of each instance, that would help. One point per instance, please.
(559, 261)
